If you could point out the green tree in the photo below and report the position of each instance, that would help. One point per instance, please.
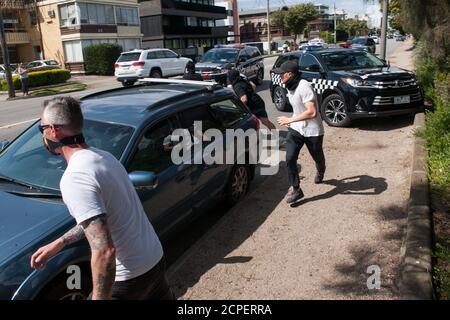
(277, 18)
(297, 18)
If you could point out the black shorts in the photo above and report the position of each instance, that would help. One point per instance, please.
(260, 113)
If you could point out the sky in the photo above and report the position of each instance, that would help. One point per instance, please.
(351, 7)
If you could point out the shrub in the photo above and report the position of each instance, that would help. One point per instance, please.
(100, 58)
(40, 78)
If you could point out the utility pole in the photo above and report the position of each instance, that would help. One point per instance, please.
(5, 53)
(268, 28)
(384, 29)
(335, 24)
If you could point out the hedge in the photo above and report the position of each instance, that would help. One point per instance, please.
(100, 58)
(40, 78)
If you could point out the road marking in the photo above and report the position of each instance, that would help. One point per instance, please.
(18, 123)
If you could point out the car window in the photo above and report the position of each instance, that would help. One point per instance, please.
(154, 150)
(228, 113)
(27, 151)
(350, 60)
(127, 57)
(199, 113)
(170, 54)
(220, 55)
(244, 54)
(306, 61)
(159, 54)
(51, 63)
(151, 55)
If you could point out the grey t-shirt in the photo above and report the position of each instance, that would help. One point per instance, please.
(302, 94)
(95, 182)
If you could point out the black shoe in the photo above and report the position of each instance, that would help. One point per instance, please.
(294, 195)
(319, 178)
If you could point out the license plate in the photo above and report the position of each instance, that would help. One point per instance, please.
(402, 100)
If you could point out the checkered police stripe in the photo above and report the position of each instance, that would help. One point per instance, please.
(320, 85)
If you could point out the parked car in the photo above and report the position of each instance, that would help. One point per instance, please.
(347, 44)
(351, 84)
(41, 65)
(153, 63)
(318, 42)
(3, 71)
(365, 43)
(400, 37)
(247, 59)
(135, 124)
(375, 39)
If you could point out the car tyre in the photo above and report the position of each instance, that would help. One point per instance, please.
(155, 74)
(260, 76)
(334, 111)
(237, 185)
(128, 83)
(280, 99)
(57, 289)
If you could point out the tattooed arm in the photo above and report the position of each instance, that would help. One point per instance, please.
(42, 255)
(103, 260)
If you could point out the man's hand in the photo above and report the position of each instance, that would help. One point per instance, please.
(284, 121)
(42, 255)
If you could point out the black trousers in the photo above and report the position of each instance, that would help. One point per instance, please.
(294, 143)
(152, 285)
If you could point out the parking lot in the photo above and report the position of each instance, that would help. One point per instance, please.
(322, 247)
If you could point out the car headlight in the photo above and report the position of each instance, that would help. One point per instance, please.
(355, 82)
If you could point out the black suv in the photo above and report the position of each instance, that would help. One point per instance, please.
(247, 59)
(351, 84)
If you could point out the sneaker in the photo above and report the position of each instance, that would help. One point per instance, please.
(294, 195)
(319, 178)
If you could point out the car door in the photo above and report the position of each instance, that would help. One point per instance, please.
(173, 62)
(164, 63)
(243, 63)
(171, 200)
(310, 70)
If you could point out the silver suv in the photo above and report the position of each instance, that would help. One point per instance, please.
(153, 63)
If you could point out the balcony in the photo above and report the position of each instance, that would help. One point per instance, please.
(18, 37)
(187, 6)
(173, 29)
(89, 28)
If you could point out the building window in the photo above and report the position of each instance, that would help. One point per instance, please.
(68, 15)
(191, 21)
(127, 16)
(129, 44)
(33, 18)
(96, 13)
(73, 51)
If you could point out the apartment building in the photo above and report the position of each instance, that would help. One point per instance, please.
(182, 25)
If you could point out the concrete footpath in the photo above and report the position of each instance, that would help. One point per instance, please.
(342, 241)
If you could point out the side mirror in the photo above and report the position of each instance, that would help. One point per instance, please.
(144, 180)
(314, 68)
(197, 58)
(3, 145)
(178, 56)
(242, 59)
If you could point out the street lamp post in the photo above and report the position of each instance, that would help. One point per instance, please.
(384, 29)
(269, 50)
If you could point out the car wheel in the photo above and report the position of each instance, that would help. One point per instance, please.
(238, 184)
(128, 83)
(260, 76)
(334, 111)
(58, 290)
(279, 99)
(155, 74)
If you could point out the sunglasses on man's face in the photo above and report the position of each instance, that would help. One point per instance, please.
(42, 127)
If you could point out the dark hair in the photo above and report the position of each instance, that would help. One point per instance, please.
(190, 67)
(233, 76)
(64, 111)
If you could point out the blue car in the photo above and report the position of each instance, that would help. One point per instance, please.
(134, 125)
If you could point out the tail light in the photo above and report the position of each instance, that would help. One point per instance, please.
(116, 65)
(138, 63)
(255, 121)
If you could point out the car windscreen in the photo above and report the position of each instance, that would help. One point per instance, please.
(351, 60)
(220, 55)
(126, 57)
(359, 40)
(26, 160)
(51, 63)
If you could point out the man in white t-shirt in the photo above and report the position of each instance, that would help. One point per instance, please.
(304, 127)
(126, 255)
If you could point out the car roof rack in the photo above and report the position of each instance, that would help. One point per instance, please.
(204, 87)
(210, 85)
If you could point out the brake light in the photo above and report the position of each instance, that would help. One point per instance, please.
(255, 121)
(138, 63)
(116, 65)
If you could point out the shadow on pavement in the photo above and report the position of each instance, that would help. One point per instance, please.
(384, 124)
(265, 85)
(237, 226)
(385, 256)
(357, 185)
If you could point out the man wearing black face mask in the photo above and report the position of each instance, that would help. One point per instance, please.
(304, 127)
(126, 255)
